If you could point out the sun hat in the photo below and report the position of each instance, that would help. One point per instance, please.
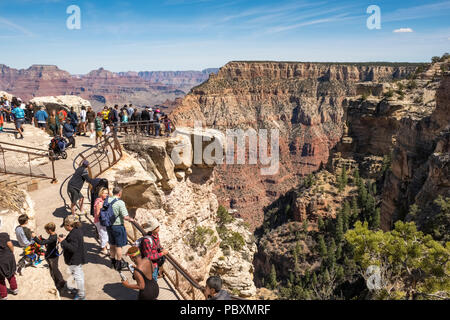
(150, 225)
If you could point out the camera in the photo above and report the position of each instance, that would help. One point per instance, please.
(122, 276)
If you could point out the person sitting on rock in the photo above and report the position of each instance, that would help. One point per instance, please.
(150, 246)
(69, 132)
(213, 289)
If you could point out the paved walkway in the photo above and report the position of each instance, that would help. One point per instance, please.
(101, 282)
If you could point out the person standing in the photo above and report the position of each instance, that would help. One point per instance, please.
(53, 123)
(157, 118)
(72, 115)
(98, 128)
(90, 116)
(69, 132)
(52, 254)
(62, 115)
(151, 246)
(117, 234)
(102, 233)
(145, 116)
(147, 286)
(75, 186)
(41, 118)
(7, 266)
(83, 115)
(74, 254)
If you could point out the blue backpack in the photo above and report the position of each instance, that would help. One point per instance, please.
(107, 217)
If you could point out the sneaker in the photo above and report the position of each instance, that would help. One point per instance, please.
(77, 297)
(5, 298)
(14, 292)
(121, 265)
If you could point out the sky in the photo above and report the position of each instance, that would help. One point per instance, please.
(197, 34)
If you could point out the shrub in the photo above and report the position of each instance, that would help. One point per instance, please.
(224, 216)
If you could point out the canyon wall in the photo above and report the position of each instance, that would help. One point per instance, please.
(100, 86)
(305, 101)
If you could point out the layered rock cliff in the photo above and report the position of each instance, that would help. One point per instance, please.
(304, 101)
(100, 86)
(179, 194)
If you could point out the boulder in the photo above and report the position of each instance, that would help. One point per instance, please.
(54, 103)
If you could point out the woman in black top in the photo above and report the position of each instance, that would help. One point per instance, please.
(147, 286)
(52, 255)
(7, 266)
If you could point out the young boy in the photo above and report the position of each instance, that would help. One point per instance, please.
(24, 235)
(52, 254)
(214, 291)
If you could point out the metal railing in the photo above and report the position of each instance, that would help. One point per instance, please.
(30, 154)
(101, 157)
(142, 127)
(186, 286)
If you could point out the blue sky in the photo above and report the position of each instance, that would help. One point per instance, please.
(198, 34)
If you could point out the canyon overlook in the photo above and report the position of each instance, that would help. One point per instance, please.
(100, 86)
(309, 103)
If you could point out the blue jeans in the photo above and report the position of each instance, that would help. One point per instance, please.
(155, 273)
(78, 275)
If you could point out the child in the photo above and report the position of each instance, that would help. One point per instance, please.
(24, 235)
(98, 128)
(52, 254)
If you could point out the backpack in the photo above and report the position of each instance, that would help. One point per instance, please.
(107, 217)
(139, 242)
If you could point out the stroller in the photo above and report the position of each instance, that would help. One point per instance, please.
(57, 148)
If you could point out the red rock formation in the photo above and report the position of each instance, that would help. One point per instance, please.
(302, 100)
(100, 86)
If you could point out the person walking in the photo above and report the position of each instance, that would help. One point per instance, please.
(75, 186)
(52, 254)
(74, 254)
(143, 270)
(19, 119)
(157, 120)
(117, 234)
(102, 233)
(7, 266)
(69, 132)
(150, 246)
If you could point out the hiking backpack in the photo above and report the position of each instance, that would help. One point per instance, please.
(107, 217)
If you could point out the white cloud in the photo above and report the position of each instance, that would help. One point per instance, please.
(403, 30)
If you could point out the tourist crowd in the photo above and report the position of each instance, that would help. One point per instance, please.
(110, 213)
(69, 123)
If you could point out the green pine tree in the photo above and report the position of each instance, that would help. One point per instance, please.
(322, 247)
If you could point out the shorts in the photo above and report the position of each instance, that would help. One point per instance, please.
(117, 235)
(91, 126)
(19, 123)
(98, 134)
(42, 125)
(74, 194)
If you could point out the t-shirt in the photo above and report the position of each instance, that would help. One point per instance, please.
(18, 113)
(119, 209)
(98, 202)
(83, 115)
